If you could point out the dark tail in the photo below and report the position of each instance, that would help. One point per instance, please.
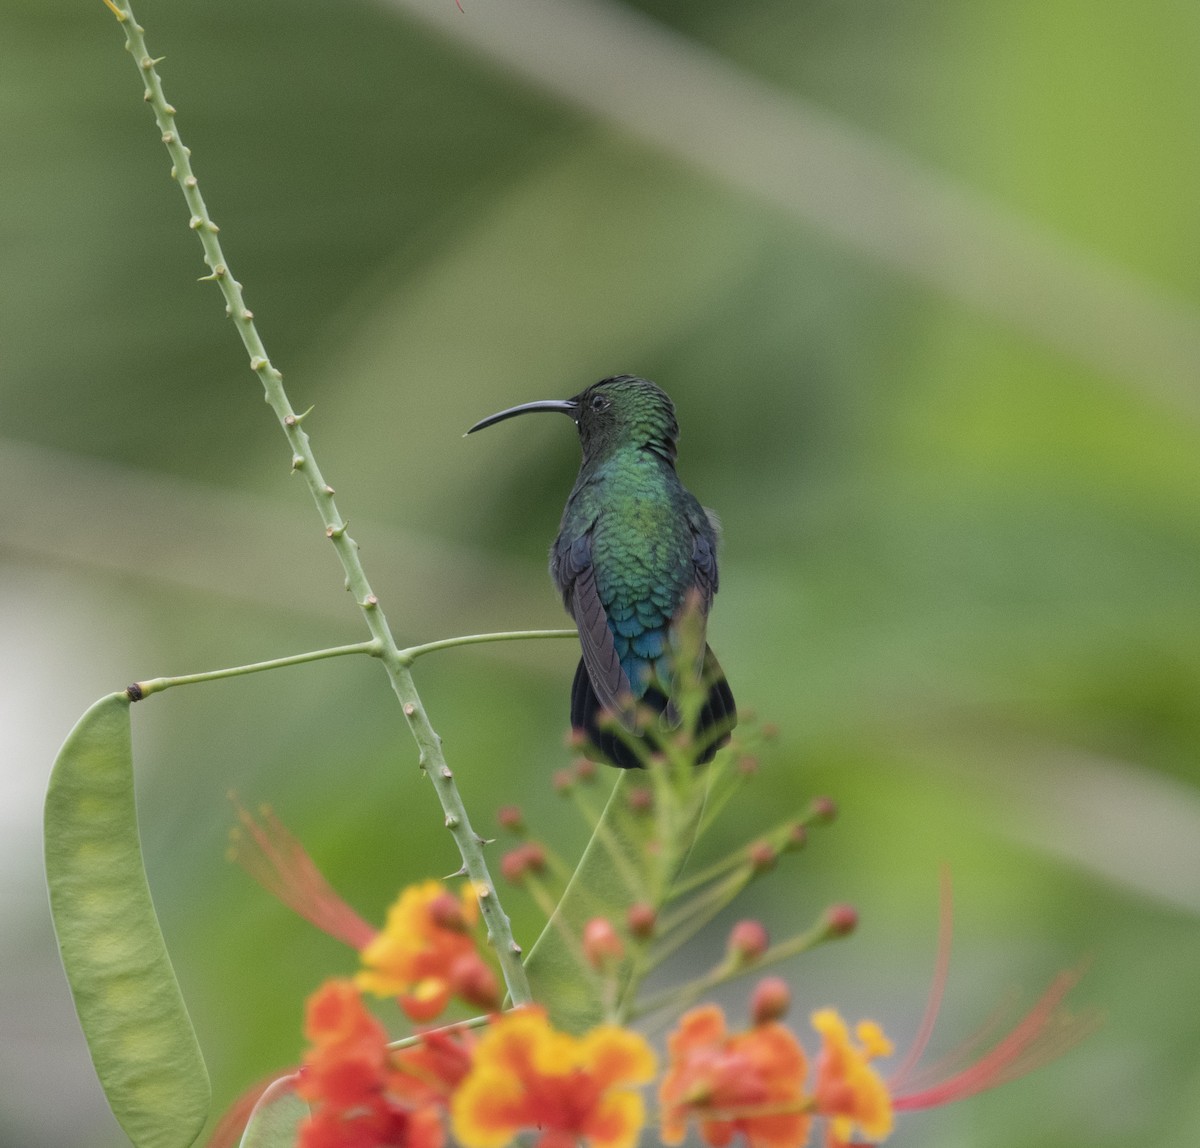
(718, 716)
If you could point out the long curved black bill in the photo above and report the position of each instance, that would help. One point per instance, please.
(565, 406)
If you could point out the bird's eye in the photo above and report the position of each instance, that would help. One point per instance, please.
(599, 402)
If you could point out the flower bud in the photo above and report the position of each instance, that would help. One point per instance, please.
(771, 1000)
(509, 817)
(747, 765)
(512, 865)
(640, 798)
(576, 739)
(641, 920)
(748, 941)
(823, 809)
(601, 944)
(797, 837)
(563, 781)
(585, 771)
(474, 981)
(445, 911)
(518, 863)
(841, 920)
(762, 856)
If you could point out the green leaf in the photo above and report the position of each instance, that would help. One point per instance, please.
(276, 1116)
(605, 884)
(137, 1028)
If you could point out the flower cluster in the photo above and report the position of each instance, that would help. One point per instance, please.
(361, 1093)
(486, 1081)
(526, 1075)
(521, 1074)
(426, 953)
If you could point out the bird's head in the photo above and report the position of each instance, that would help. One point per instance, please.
(623, 410)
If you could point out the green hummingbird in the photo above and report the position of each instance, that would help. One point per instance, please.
(634, 551)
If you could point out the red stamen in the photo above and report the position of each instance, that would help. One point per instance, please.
(941, 971)
(279, 863)
(1041, 1034)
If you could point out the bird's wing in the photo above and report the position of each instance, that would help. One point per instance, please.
(704, 581)
(574, 572)
(705, 532)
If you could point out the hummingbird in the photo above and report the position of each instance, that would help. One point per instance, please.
(636, 553)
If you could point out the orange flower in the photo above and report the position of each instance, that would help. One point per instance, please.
(430, 1071)
(527, 1075)
(849, 1092)
(345, 1079)
(750, 1083)
(426, 954)
(427, 932)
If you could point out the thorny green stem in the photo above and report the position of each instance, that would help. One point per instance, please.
(304, 462)
(157, 685)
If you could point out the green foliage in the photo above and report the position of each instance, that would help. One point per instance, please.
(599, 887)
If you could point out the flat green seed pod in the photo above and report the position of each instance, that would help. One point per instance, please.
(137, 1028)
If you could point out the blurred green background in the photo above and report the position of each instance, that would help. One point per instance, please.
(922, 278)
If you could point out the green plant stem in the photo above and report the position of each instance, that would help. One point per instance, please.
(683, 995)
(157, 685)
(776, 837)
(410, 654)
(680, 926)
(628, 871)
(458, 1026)
(432, 761)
